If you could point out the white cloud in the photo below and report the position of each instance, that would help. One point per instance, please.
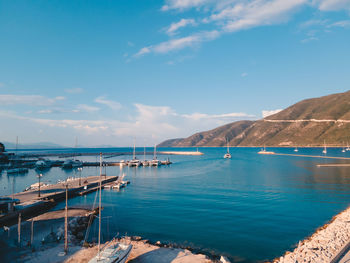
(177, 25)
(344, 24)
(332, 5)
(74, 90)
(109, 103)
(266, 113)
(31, 100)
(182, 4)
(87, 108)
(227, 116)
(180, 43)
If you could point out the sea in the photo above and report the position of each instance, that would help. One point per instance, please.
(249, 208)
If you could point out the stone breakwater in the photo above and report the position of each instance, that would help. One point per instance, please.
(325, 244)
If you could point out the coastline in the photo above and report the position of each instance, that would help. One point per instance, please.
(326, 244)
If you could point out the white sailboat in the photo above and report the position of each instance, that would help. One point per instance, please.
(134, 161)
(145, 162)
(227, 155)
(325, 148)
(296, 149)
(155, 161)
(115, 252)
(347, 146)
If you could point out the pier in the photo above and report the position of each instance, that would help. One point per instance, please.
(30, 203)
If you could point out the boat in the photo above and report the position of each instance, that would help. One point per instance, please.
(43, 164)
(134, 162)
(296, 149)
(347, 147)
(69, 163)
(155, 161)
(227, 155)
(325, 148)
(145, 162)
(114, 251)
(263, 151)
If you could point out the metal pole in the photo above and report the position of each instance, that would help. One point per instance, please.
(19, 229)
(99, 211)
(32, 233)
(66, 223)
(39, 185)
(80, 176)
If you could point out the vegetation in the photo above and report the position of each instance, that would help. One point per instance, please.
(282, 133)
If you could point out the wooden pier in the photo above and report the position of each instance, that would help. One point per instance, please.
(31, 205)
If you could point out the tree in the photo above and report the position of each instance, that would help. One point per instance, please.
(2, 147)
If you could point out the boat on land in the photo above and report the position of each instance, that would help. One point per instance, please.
(155, 161)
(227, 155)
(263, 151)
(113, 251)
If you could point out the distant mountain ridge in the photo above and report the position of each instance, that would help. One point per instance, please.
(39, 145)
(307, 123)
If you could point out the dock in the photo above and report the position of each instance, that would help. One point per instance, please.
(31, 205)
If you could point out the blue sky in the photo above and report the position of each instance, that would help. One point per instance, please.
(109, 71)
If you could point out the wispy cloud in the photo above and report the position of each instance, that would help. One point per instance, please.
(180, 43)
(266, 113)
(172, 29)
(87, 108)
(109, 103)
(74, 90)
(332, 5)
(31, 100)
(229, 16)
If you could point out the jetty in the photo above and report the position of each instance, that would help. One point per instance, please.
(31, 203)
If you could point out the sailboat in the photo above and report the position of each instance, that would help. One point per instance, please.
(227, 155)
(296, 149)
(134, 161)
(155, 161)
(347, 147)
(115, 252)
(145, 162)
(325, 148)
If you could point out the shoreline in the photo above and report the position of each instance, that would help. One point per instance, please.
(327, 244)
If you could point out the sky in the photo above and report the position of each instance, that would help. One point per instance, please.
(111, 72)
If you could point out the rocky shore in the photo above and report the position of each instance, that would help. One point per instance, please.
(325, 244)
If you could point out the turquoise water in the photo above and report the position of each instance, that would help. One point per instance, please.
(250, 208)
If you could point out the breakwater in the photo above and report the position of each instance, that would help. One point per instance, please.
(327, 244)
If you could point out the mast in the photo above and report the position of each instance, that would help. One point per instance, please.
(144, 153)
(66, 223)
(228, 149)
(99, 212)
(133, 155)
(155, 151)
(19, 229)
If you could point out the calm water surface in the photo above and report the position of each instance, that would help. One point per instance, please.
(250, 208)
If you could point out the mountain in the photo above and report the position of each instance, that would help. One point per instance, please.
(307, 123)
(39, 145)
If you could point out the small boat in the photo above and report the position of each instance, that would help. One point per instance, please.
(134, 162)
(155, 161)
(116, 253)
(227, 155)
(296, 149)
(325, 148)
(68, 164)
(145, 162)
(43, 164)
(263, 151)
(347, 147)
